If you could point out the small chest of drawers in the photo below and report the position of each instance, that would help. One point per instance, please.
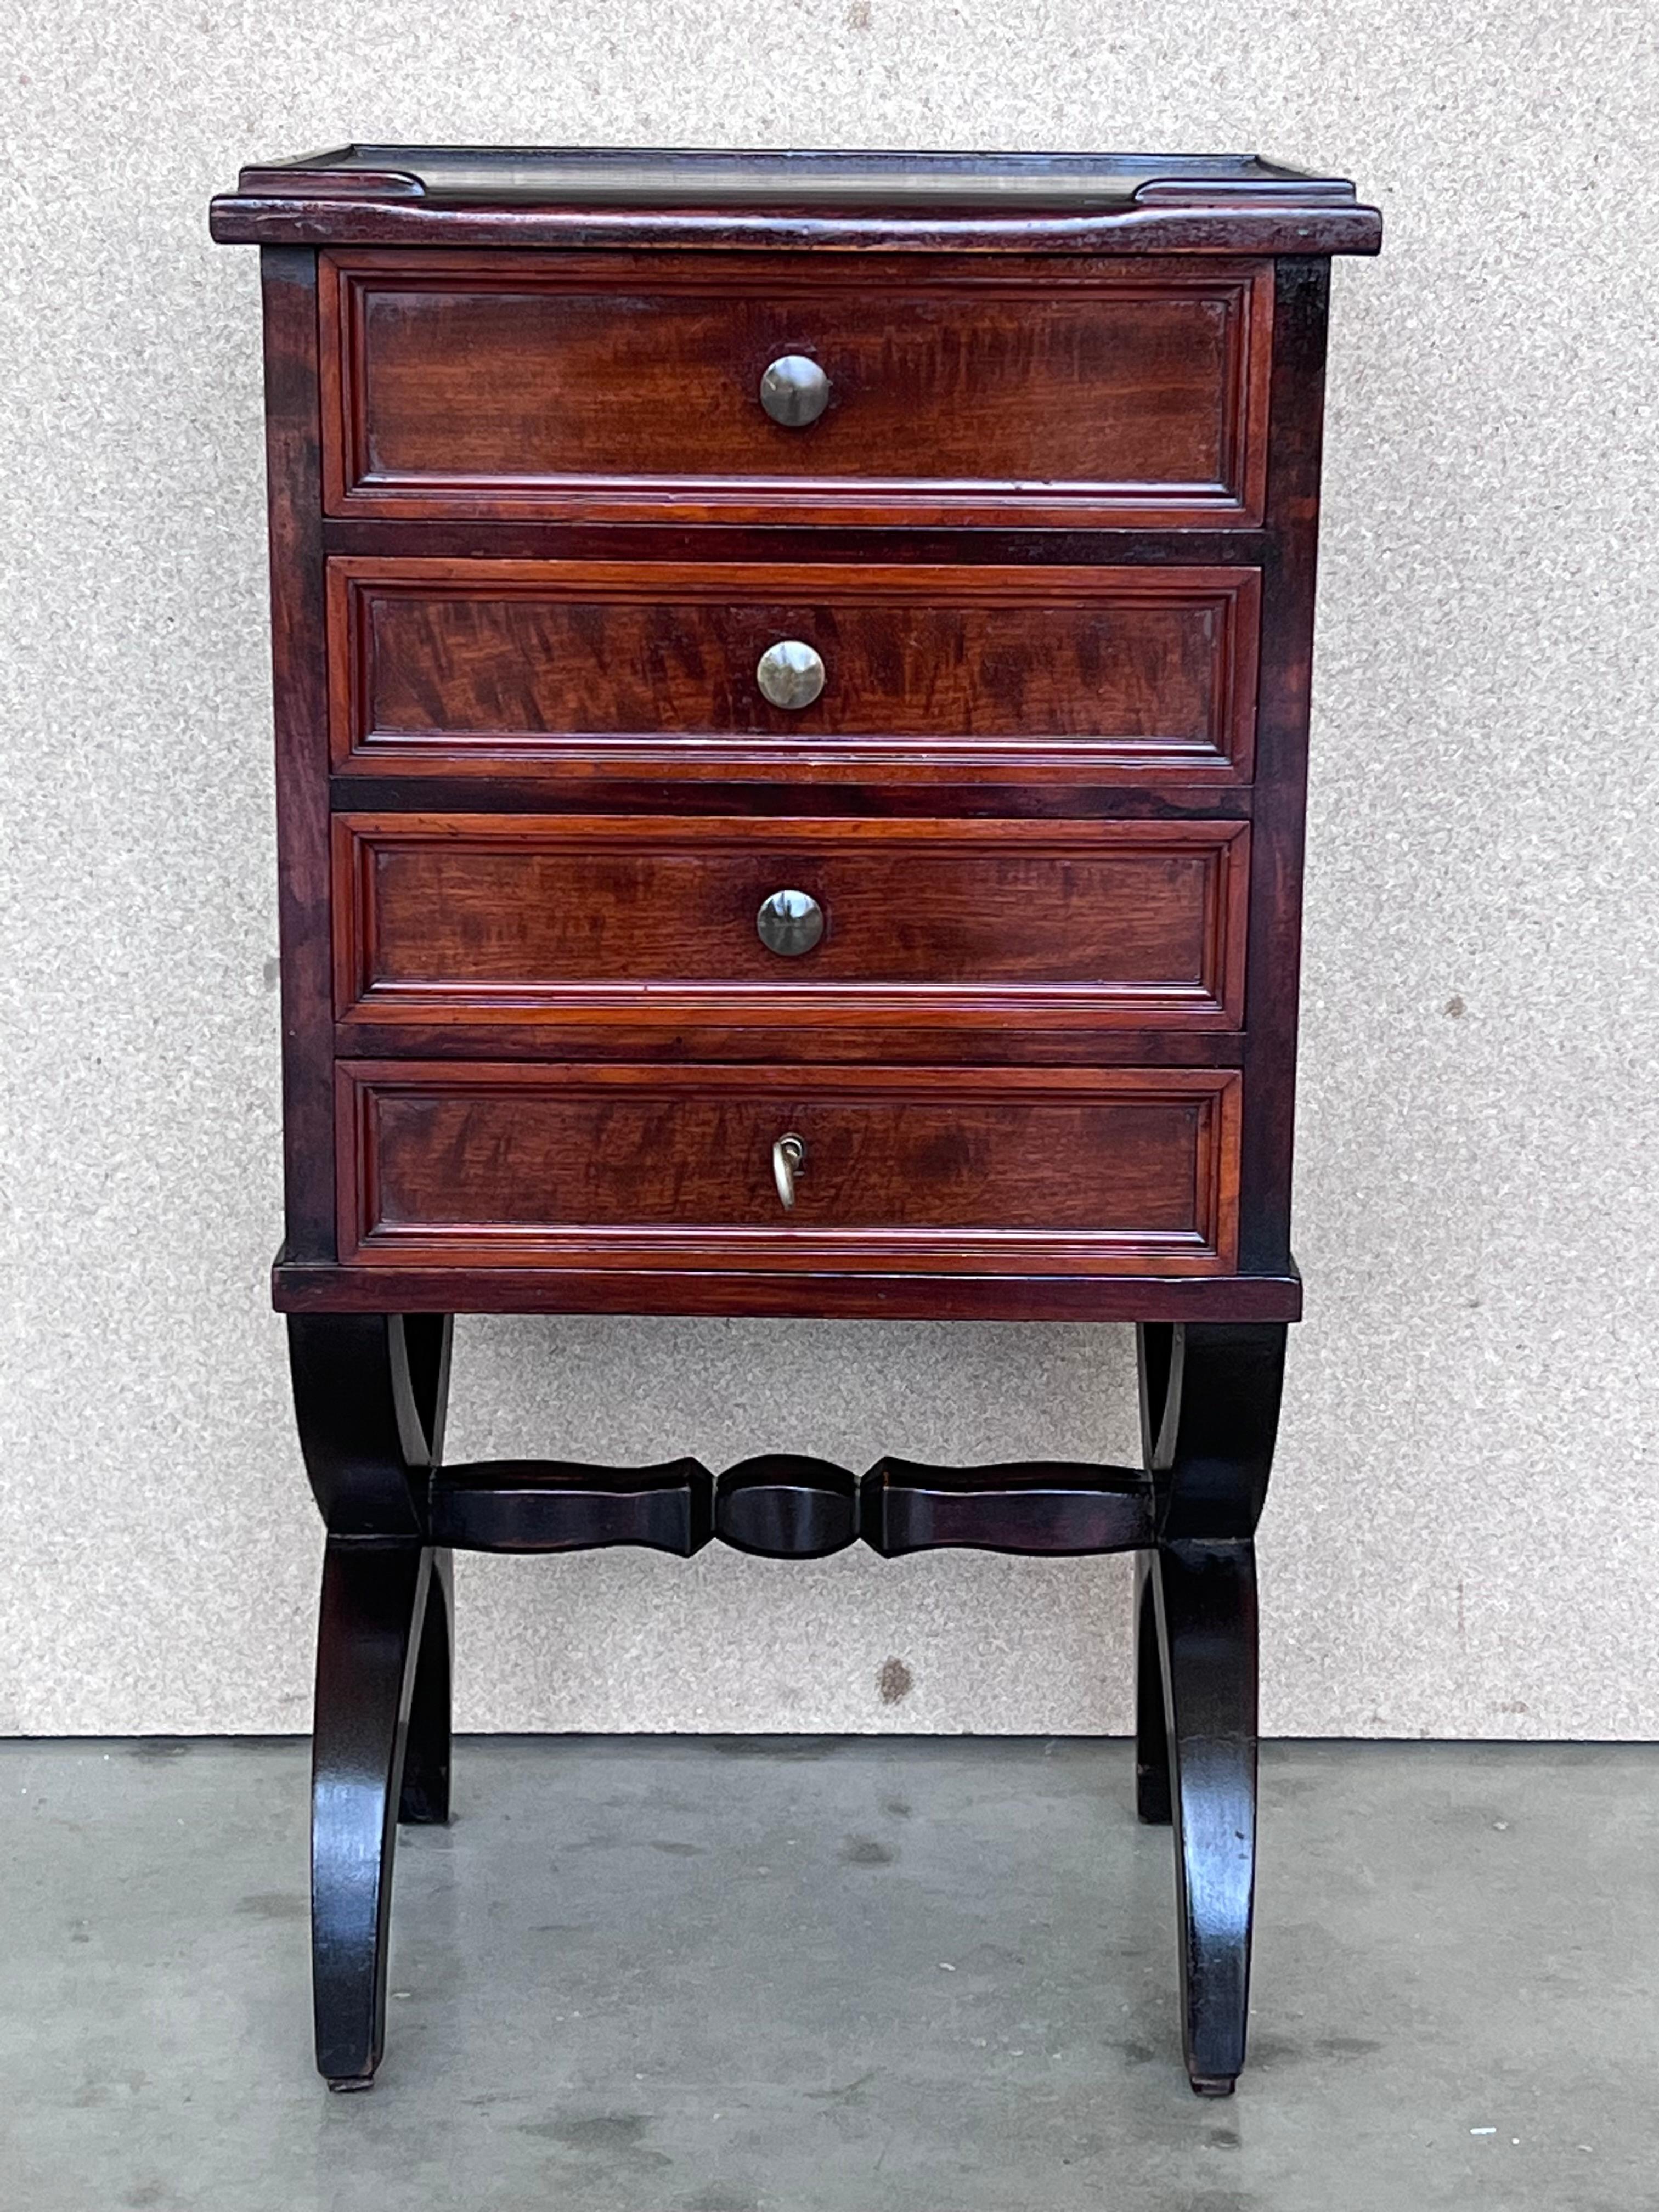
(791, 700)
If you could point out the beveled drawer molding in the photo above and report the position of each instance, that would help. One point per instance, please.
(1063, 1172)
(480, 667)
(506, 918)
(614, 388)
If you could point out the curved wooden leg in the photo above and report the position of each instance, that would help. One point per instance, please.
(425, 1794)
(1206, 1623)
(370, 1391)
(427, 1340)
(374, 1602)
(1154, 1361)
(1154, 1367)
(1210, 1397)
(1151, 1731)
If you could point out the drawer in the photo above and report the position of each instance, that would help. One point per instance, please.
(1067, 1171)
(508, 918)
(469, 666)
(1060, 390)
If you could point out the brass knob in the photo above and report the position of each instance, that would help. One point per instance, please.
(790, 922)
(795, 392)
(790, 674)
(788, 1159)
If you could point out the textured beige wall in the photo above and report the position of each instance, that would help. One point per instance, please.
(1463, 1536)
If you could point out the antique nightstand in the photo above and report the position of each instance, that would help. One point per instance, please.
(791, 700)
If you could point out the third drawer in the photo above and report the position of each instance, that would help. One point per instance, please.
(505, 918)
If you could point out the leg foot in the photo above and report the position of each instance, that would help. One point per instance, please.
(373, 1608)
(1206, 1620)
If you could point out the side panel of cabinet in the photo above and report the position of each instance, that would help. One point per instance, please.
(1273, 970)
(299, 682)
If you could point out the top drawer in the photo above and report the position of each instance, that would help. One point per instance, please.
(620, 387)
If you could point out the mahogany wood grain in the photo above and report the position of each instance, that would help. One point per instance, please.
(293, 466)
(830, 203)
(915, 1294)
(966, 391)
(476, 918)
(1059, 1171)
(504, 666)
(754, 1040)
(1271, 989)
(892, 798)
(1203, 232)
(677, 539)
(1054, 539)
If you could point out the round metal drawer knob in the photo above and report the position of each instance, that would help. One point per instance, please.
(790, 674)
(790, 922)
(794, 390)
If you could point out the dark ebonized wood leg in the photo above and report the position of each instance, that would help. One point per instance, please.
(425, 1795)
(1154, 1359)
(1207, 1625)
(370, 1395)
(368, 1643)
(1151, 1733)
(1210, 1402)
(369, 1398)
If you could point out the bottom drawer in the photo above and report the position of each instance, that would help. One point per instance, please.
(1068, 1170)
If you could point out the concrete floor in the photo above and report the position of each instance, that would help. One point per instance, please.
(864, 1975)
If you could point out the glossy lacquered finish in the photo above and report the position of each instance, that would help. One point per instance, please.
(1121, 203)
(370, 1396)
(829, 203)
(562, 668)
(369, 1392)
(620, 388)
(791, 687)
(511, 918)
(1055, 1171)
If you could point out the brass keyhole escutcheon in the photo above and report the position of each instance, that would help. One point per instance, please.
(788, 1159)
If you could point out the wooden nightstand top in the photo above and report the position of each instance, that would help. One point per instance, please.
(582, 195)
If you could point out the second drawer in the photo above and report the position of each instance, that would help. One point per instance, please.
(501, 918)
(479, 668)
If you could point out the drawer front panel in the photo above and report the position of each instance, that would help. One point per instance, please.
(600, 386)
(1064, 1170)
(463, 666)
(505, 918)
